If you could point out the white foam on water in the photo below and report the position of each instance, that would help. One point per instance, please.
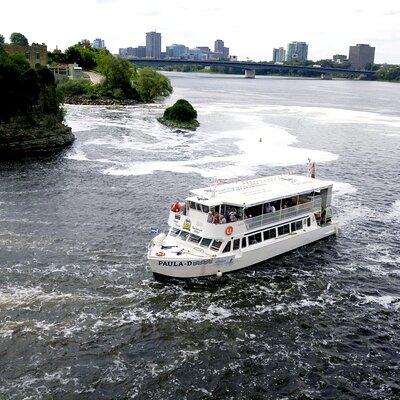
(257, 142)
(343, 188)
(77, 155)
(338, 115)
(79, 125)
(387, 301)
(394, 213)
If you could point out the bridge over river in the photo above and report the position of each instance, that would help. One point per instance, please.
(250, 67)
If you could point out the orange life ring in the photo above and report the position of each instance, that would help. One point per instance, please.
(229, 230)
(160, 254)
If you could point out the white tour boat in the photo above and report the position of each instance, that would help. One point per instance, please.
(232, 226)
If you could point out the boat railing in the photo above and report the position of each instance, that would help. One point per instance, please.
(285, 213)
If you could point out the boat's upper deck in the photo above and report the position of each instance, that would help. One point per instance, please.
(256, 191)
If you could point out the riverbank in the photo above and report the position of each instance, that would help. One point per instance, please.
(99, 101)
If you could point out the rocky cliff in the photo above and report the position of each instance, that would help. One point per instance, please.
(20, 137)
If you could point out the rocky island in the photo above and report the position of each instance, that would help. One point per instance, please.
(181, 115)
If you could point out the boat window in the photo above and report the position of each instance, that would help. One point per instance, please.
(244, 242)
(269, 234)
(296, 226)
(192, 205)
(216, 244)
(254, 239)
(308, 222)
(236, 244)
(184, 235)
(175, 232)
(199, 207)
(206, 209)
(283, 230)
(205, 242)
(194, 238)
(227, 248)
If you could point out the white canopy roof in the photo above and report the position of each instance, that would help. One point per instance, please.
(257, 191)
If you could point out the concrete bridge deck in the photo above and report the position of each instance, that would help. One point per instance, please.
(246, 65)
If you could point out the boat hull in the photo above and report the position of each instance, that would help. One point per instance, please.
(177, 268)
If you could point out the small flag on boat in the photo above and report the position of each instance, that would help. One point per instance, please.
(155, 231)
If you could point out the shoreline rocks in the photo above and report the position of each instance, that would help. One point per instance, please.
(190, 125)
(100, 101)
(21, 139)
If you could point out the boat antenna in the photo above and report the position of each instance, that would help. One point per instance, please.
(217, 182)
(312, 166)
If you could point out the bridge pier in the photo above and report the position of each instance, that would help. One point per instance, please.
(250, 73)
(326, 77)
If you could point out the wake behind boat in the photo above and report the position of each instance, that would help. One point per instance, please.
(232, 226)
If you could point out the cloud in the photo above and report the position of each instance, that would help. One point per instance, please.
(249, 31)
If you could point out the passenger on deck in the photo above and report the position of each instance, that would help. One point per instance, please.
(182, 208)
(210, 217)
(222, 220)
(232, 216)
(269, 208)
(176, 207)
(216, 218)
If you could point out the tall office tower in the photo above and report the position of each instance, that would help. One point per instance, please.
(153, 45)
(98, 44)
(361, 55)
(219, 46)
(279, 55)
(297, 51)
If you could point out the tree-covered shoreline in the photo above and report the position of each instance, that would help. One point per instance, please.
(123, 82)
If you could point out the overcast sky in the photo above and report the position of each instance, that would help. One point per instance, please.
(249, 28)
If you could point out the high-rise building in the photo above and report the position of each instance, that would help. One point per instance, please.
(98, 44)
(220, 51)
(278, 55)
(361, 55)
(219, 46)
(134, 52)
(153, 45)
(297, 51)
(176, 50)
(225, 52)
(141, 52)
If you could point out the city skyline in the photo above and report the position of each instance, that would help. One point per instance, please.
(251, 32)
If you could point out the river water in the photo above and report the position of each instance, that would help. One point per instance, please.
(80, 313)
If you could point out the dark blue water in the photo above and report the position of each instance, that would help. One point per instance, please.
(82, 317)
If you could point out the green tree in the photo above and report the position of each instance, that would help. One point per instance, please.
(18, 38)
(181, 111)
(118, 74)
(85, 43)
(56, 57)
(389, 73)
(150, 84)
(25, 91)
(1, 39)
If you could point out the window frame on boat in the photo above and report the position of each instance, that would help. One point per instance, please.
(194, 236)
(216, 248)
(184, 235)
(228, 247)
(205, 239)
(175, 232)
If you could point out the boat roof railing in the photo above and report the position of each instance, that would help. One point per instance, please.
(257, 191)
